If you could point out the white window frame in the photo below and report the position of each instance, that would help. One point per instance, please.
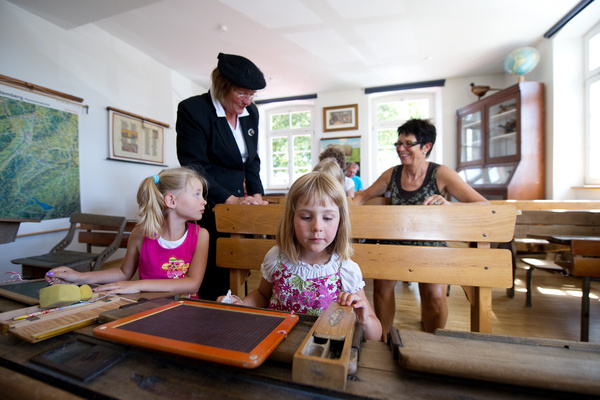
(591, 77)
(393, 125)
(290, 134)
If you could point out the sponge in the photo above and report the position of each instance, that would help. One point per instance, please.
(63, 295)
(86, 292)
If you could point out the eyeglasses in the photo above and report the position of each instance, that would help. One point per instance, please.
(408, 144)
(244, 96)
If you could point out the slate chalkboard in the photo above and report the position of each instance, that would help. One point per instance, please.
(223, 333)
(27, 292)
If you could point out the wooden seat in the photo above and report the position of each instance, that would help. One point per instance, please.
(586, 265)
(476, 264)
(582, 262)
(545, 218)
(95, 230)
(541, 264)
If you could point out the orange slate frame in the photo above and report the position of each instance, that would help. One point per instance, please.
(252, 359)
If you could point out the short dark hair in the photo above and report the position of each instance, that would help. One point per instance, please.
(423, 130)
(334, 152)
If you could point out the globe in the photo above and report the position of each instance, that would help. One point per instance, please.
(521, 61)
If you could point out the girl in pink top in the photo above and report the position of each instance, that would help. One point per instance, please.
(310, 266)
(168, 251)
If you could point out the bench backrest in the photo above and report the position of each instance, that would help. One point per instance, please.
(554, 222)
(586, 258)
(469, 260)
(550, 204)
(98, 235)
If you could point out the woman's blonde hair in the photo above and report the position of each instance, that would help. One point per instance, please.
(315, 188)
(330, 166)
(151, 196)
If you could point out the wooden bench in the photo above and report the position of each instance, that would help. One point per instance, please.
(95, 231)
(585, 263)
(534, 223)
(582, 261)
(253, 227)
(539, 225)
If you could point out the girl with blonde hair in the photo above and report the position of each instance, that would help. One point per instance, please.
(310, 267)
(167, 250)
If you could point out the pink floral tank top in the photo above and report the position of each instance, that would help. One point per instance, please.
(311, 296)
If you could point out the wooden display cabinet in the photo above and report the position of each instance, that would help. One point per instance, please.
(501, 151)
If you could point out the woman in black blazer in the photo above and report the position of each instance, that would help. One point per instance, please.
(217, 135)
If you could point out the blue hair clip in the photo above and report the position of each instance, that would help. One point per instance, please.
(156, 179)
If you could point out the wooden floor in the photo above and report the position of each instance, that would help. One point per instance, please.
(555, 312)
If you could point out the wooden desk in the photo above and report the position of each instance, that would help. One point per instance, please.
(9, 228)
(564, 239)
(153, 375)
(585, 268)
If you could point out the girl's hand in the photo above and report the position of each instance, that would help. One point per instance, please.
(63, 275)
(229, 299)
(121, 287)
(360, 306)
(435, 200)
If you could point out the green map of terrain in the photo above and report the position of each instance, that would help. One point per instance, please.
(39, 161)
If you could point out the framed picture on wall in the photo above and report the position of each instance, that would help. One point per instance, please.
(350, 145)
(340, 118)
(134, 138)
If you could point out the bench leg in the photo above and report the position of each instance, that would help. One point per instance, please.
(237, 279)
(528, 294)
(481, 310)
(585, 308)
(510, 292)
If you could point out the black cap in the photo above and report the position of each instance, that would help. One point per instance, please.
(241, 71)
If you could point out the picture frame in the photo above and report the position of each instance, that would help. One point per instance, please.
(340, 118)
(350, 145)
(134, 138)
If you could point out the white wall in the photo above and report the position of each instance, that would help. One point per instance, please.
(88, 63)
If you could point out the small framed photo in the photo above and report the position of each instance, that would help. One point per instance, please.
(340, 118)
(134, 138)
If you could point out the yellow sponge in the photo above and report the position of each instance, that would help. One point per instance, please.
(86, 292)
(60, 295)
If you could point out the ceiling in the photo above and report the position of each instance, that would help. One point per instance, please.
(315, 46)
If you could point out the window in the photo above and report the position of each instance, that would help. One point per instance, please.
(389, 113)
(289, 137)
(592, 105)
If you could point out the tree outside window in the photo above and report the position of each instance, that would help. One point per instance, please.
(390, 113)
(290, 134)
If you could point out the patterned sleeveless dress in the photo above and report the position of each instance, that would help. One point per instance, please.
(399, 196)
(308, 289)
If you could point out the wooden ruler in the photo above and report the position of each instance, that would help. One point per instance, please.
(49, 325)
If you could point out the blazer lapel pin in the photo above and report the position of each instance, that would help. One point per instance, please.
(251, 132)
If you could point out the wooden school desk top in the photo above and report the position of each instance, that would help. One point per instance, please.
(152, 374)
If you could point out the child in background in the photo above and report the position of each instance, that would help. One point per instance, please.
(330, 166)
(168, 251)
(310, 267)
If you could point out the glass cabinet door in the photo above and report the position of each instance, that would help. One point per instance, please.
(470, 133)
(502, 128)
